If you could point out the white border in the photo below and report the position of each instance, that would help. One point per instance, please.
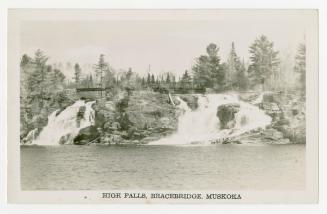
(16, 17)
(319, 4)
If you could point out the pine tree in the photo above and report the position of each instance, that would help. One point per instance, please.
(186, 80)
(100, 68)
(152, 79)
(300, 65)
(91, 81)
(77, 74)
(129, 74)
(148, 79)
(109, 78)
(36, 81)
(264, 62)
(207, 70)
(235, 71)
(241, 78)
(26, 67)
(168, 79)
(233, 68)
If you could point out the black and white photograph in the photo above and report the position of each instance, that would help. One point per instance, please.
(165, 105)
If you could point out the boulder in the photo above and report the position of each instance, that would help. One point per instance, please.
(226, 114)
(86, 135)
(296, 134)
(272, 134)
(111, 139)
(272, 109)
(191, 100)
(104, 113)
(249, 96)
(269, 97)
(80, 115)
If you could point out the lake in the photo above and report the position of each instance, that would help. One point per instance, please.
(163, 167)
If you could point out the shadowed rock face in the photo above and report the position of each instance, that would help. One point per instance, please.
(191, 100)
(226, 114)
(86, 135)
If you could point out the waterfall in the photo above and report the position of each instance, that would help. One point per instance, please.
(30, 137)
(202, 125)
(63, 127)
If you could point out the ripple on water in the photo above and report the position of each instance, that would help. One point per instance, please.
(163, 167)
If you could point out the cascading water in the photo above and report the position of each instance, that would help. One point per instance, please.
(65, 126)
(30, 137)
(202, 125)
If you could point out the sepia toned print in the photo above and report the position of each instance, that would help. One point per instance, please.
(138, 106)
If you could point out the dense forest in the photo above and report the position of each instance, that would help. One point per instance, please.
(44, 86)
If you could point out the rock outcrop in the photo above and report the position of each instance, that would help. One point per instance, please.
(226, 114)
(287, 110)
(132, 118)
(87, 135)
(37, 116)
(288, 125)
(272, 109)
(291, 119)
(191, 100)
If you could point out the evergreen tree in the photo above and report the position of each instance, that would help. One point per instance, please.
(55, 81)
(241, 78)
(233, 67)
(77, 74)
(186, 77)
(41, 86)
(36, 81)
(109, 79)
(264, 62)
(300, 64)
(100, 68)
(235, 71)
(162, 79)
(207, 70)
(186, 80)
(148, 80)
(168, 79)
(129, 74)
(91, 81)
(26, 67)
(173, 79)
(152, 79)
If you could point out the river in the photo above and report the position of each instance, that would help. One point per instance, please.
(163, 167)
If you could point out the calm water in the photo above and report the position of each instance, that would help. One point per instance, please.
(217, 167)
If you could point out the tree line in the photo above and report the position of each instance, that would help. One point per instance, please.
(40, 81)
(263, 72)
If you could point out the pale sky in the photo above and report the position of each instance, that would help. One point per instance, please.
(167, 44)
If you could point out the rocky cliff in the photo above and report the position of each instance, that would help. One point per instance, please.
(131, 117)
(287, 110)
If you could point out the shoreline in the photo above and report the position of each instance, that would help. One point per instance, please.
(156, 132)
